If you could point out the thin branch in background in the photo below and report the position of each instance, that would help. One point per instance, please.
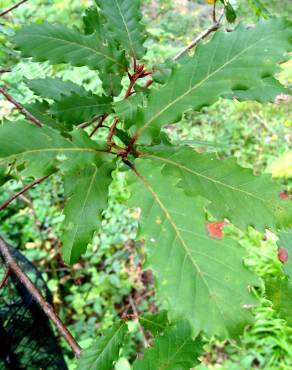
(214, 27)
(23, 190)
(21, 108)
(12, 7)
(136, 313)
(5, 70)
(5, 278)
(35, 293)
(100, 123)
(88, 123)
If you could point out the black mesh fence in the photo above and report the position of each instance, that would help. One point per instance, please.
(27, 340)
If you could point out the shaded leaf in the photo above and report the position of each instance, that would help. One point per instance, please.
(174, 350)
(154, 322)
(105, 350)
(206, 274)
(75, 109)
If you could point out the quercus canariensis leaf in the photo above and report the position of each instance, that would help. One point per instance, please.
(202, 279)
(124, 20)
(86, 187)
(242, 62)
(105, 350)
(75, 108)
(60, 44)
(54, 88)
(174, 350)
(235, 193)
(40, 111)
(39, 148)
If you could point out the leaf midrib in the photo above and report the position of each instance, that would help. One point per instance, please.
(131, 44)
(196, 86)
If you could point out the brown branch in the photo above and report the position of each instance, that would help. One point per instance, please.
(23, 190)
(5, 70)
(112, 131)
(100, 123)
(21, 108)
(12, 7)
(136, 313)
(88, 123)
(5, 278)
(38, 297)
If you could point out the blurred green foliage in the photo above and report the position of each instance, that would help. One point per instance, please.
(108, 279)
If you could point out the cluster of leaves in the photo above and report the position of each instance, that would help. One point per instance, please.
(201, 277)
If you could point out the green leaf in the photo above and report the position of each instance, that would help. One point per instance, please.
(285, 241)
(124, 20)
(229, 11)
(40, 111)
(204, 273)
(154, 322)
(59, 44)
(175, 350)
(94, 23)
(234, 192)
(242, 60)
(111, 83)
(279, 291)
(75, 109)
(127, 109)
(259, 8)
(86, 187)
(39, 148)
(105, 350)
(54, 88)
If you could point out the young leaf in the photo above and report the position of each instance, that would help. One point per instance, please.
(86, 186)
(124, 20)
(174, 350)
(279, 291)
(59, 44)
(105, 350)
(54, 88)
(235, 193)
(204, 273)
(231, 61)
(75, 108)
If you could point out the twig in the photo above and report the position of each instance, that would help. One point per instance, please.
(214, 12)
(112, 131)
(21, 108)
(136, 313)
(101, 121)
(44, 305)
(23, 190)
(12, 7)
(88, 123)
(5, 70)
(214, 27)
(5, 278)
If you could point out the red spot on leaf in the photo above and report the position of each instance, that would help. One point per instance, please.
(215, 229)
(283, 255)
(284, 195)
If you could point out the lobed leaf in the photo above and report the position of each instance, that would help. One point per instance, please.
(105, 350)
(206, 274)
(75, 108)
(59, 44)
(174, 350)
(124, 20)
(232, 62)
(234, 192)
(86, 187)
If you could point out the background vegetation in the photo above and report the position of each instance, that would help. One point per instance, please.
(108, 281)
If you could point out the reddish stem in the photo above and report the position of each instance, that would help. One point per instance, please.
(12, 7)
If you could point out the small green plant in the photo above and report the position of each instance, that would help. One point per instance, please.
(199, 275)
